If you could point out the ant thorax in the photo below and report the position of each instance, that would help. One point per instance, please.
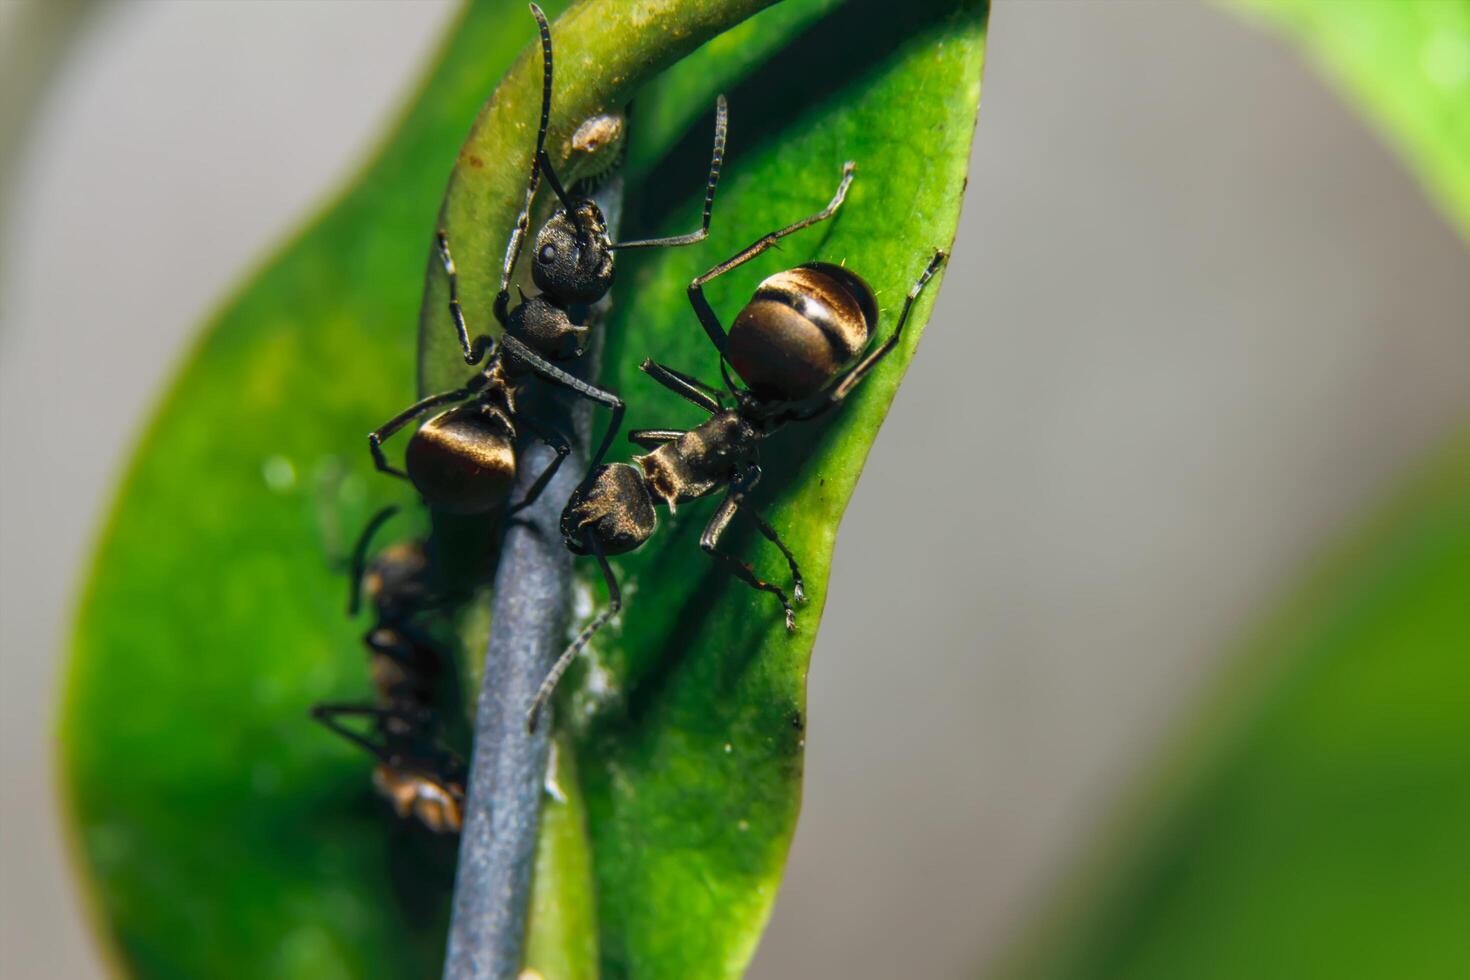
(702, 460)
(546, 328)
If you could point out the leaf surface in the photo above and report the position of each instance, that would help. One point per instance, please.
(223, 833)
(689, 712)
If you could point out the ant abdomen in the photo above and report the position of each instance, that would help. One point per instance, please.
(613, 507)
(800, 329)
(439, 808)
(462, 461)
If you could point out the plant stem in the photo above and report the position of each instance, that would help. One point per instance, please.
(533, 596)
(503, 811)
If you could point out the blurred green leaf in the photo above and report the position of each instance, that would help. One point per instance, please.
(1312, 820)
(224, 834)
(1406, 64)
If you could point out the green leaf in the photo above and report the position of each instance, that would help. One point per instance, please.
(562, 933)
(1311, 820)
(223, 833)
(689, 711)
(1406, 64)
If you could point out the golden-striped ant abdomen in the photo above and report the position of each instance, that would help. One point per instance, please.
(800, 329)
(462, 461)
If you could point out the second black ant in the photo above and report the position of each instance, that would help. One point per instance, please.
(791, 345)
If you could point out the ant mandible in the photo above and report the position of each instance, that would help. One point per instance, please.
(790, 345)
(421, 777)
(463, 460)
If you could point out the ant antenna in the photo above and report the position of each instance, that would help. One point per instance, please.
(523, 220)
(722, 126)
(557, 188)
(359, 556)
(614, 603)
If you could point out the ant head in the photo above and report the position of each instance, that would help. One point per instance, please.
(573, 261)
(613, 507)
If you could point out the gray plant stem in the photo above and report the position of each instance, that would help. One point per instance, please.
(507, 772)
(533, 597)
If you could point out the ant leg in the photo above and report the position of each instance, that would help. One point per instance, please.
(386, 430)
(614, 603)
(327, 714)
(690, 389)
(359, 556)
(722, 120)
(332, 710)
(550, 372)
(797, 588)
(690, 380)
(739, 488)
(557, 442)
(653, 438)
(850, 380)
(798, 591)
(702, 309)
(709, 540)
(613, 425)
(476, 351)
(523, 220)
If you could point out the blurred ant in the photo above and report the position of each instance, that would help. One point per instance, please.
(790, 345)
(463, 460)
(416, 772)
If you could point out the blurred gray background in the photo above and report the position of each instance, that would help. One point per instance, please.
(1197, 318)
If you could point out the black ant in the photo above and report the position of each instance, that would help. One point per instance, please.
(463, 460)
(790, 345)
(416, 772)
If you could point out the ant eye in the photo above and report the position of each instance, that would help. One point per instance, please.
(548, 254)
